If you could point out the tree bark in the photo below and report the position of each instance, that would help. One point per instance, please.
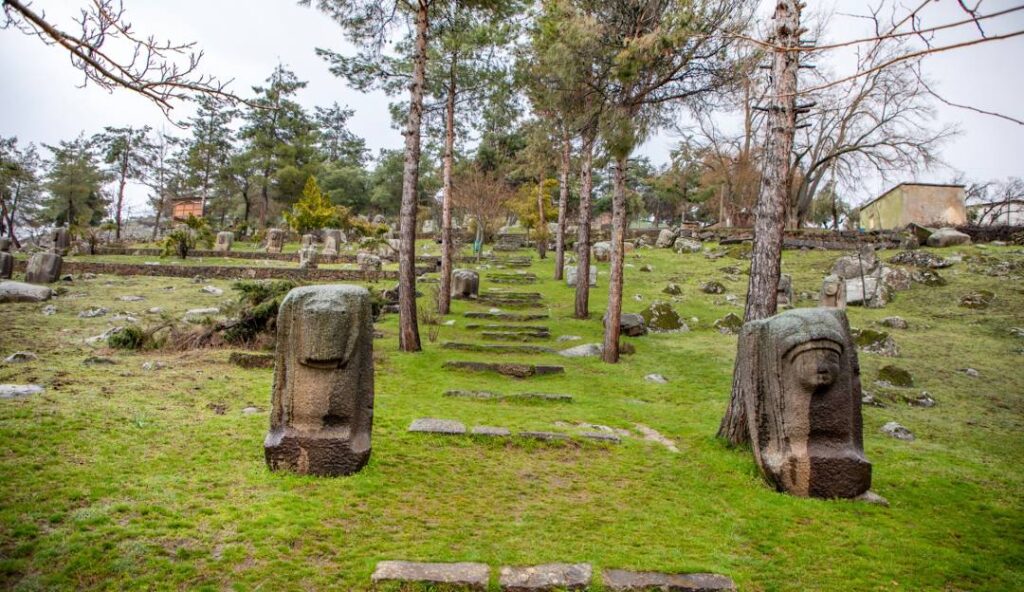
(120, 188)
(770, 215)
(614, 314)
(444, 297)
(408, 330)
(583, 232)
(542, 222)
(563, 203)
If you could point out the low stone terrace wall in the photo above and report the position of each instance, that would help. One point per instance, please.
(225, 272)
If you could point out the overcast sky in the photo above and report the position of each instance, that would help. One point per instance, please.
(244, 39)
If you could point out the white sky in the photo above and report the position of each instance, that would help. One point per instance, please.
(244, 39)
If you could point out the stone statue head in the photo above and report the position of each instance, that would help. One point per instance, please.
(323, 381)
(801, 382)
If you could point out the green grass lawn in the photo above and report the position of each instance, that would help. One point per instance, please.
(123, 478)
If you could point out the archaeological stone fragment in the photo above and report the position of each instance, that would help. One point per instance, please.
(6, 265)
(322, 405)
(307, 257)
(275, 240)
(833, 292)
(224, 241)
(59, 241)
(799, 377)
(43, 268)
(465, 284)
(784, 293)
(571, 273)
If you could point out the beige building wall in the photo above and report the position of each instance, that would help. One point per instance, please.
(928, 205)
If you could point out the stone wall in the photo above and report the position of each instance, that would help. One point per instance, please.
(253, 255)
(223, 272)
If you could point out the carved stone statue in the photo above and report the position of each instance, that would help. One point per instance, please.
(224, 241)
(784, 293)
(275, 240)
(465, 284)
(800, 381)
(333, 239)
(833, 292)
(322, 405)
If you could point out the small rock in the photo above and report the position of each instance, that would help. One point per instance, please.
(972, 372)
(673, 289)
(660, 317)
(652, 435)
(869, 399)
(21, 357)
(875, 342)
(587, 350)
(977, 300)
(196, 314)
(98, 361)
(894, 323)
(92, 313)
(150, 366)
(712, 287)
(646, 268)
(897, 431)
(656, 378)
(49, 310)
(730, 324)
(155, 310)
(896, 376)
(124, 317)
(870, 497)
(923, 400)
(212, 290)
(131, 298)
(565, 338)
(251, 410)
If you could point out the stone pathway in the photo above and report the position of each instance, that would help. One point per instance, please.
(507, 316)
(542, 578)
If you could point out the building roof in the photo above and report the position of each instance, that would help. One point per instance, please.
(895, 187)
(177, 199)
(999, 202)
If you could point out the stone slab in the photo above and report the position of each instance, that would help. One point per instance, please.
(492, 396)
(497, 349)
(22, 292)
(450, 576)
(505, 369)
(601, 437)
(437, 426)
(551, 576)
(619, 580)
(506, 316)
(491, 431)
(11, 391)
(545, 436)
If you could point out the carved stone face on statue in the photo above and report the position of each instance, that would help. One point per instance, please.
(802, 389)
(323, 382)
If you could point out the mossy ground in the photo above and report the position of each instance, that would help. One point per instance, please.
(123, 478)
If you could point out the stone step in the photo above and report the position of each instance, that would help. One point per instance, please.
(510, 328)
(515, 335)
(502, 301)
(448, 576)
(493, 348)
(525, 397)
(512, 278)
(620, 580)
(507, 316)
(543, 578)
(514, 370)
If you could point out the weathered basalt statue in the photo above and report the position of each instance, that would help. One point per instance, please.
(307, 257)
(465, 284)
(322, 405)
(800, 381)
(275, 240)
(833, 292)
(784, 293)
(333, 239)
(224, 241)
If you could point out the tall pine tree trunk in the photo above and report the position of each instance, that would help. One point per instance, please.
(583, 233)
(408, 329)
(563, 203)
(444, 297)
(770, 215)
(120, 188)
(614, 315)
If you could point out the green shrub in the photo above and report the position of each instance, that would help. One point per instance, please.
(131, 337)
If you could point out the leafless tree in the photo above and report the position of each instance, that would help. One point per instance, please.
(111, 54)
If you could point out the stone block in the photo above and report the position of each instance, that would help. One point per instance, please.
(447, 576)
(6, 265)
(549, 577)
(275, 240)
(437, 426)
(620, 580)
(224, 242)
(43, 268)
(465, 284)
(571, 272)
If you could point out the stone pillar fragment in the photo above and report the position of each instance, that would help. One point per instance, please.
(465, 284)
(800, 381)
(307, 257)
(308, 240)
(43, 268)
(6, 265)
(571, 272)
(275, 240)
(784, 293)
(60, 241)
(833, 292)
(224, 241)
(333, 239)
(322, 404)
